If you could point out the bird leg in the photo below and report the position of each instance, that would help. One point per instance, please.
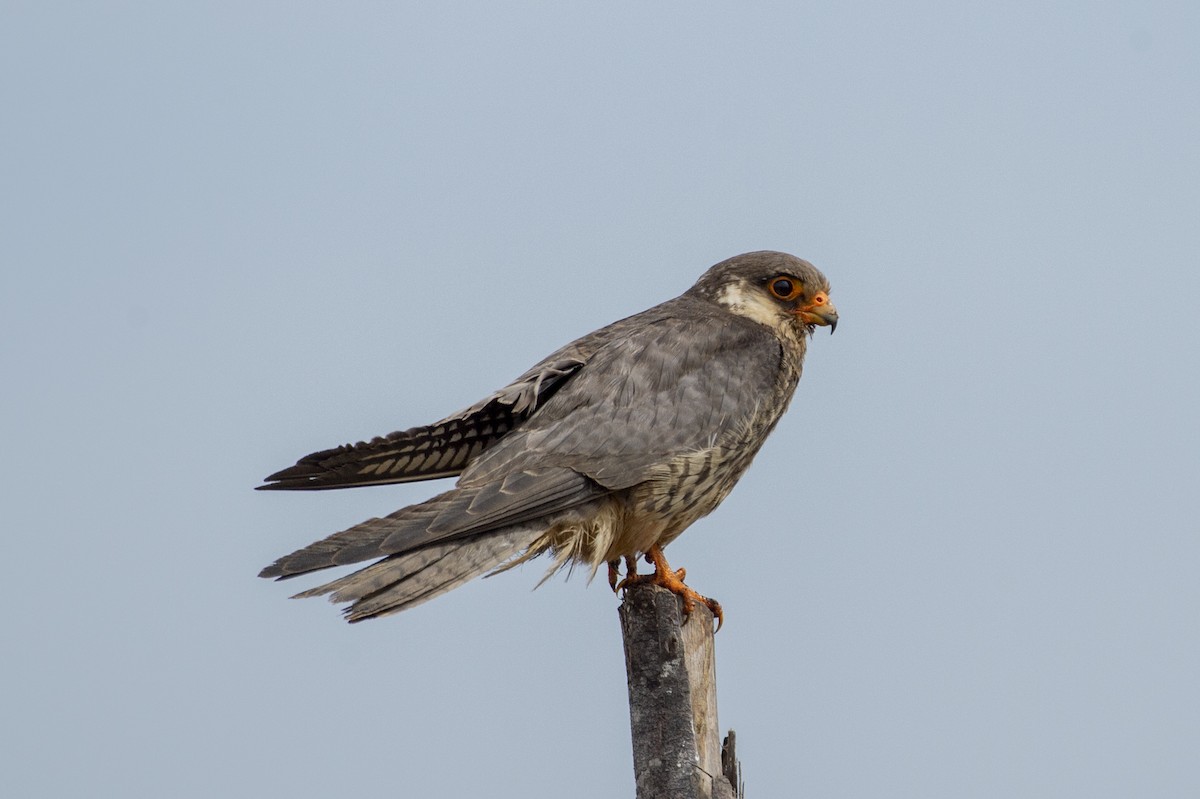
(614, 572)
(670, 580)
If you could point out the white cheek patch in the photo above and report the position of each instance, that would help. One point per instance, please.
(746, 301)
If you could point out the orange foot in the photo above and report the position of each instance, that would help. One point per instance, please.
(670, 580)
(614, 571)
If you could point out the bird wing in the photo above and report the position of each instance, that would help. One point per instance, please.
(599, 415)
(678, 379)
(441, 449)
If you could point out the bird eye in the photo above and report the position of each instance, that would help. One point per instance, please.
(784, 288)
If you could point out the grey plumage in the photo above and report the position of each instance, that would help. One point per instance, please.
(611, 445)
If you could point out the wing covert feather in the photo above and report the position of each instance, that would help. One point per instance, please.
(671, 388)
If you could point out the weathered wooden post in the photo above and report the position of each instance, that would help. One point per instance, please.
(677, 751)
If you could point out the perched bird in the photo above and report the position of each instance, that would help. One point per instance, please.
(606, 450)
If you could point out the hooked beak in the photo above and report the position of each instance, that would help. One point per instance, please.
(819, 312)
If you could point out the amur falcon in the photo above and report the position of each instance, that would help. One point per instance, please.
(604, 451)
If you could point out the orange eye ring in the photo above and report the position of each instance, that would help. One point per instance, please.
(785, 288)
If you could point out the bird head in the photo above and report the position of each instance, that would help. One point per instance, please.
(772, 288)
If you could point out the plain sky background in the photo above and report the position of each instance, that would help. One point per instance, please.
(966, 564)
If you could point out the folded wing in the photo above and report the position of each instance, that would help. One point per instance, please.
(442, 449)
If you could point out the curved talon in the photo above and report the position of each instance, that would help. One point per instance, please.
(714, 607)
(614, 572)
(672, 581)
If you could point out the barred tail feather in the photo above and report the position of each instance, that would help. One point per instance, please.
(411, 578)
(406, 529)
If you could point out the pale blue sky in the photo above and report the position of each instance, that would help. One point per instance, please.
(966, 564)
